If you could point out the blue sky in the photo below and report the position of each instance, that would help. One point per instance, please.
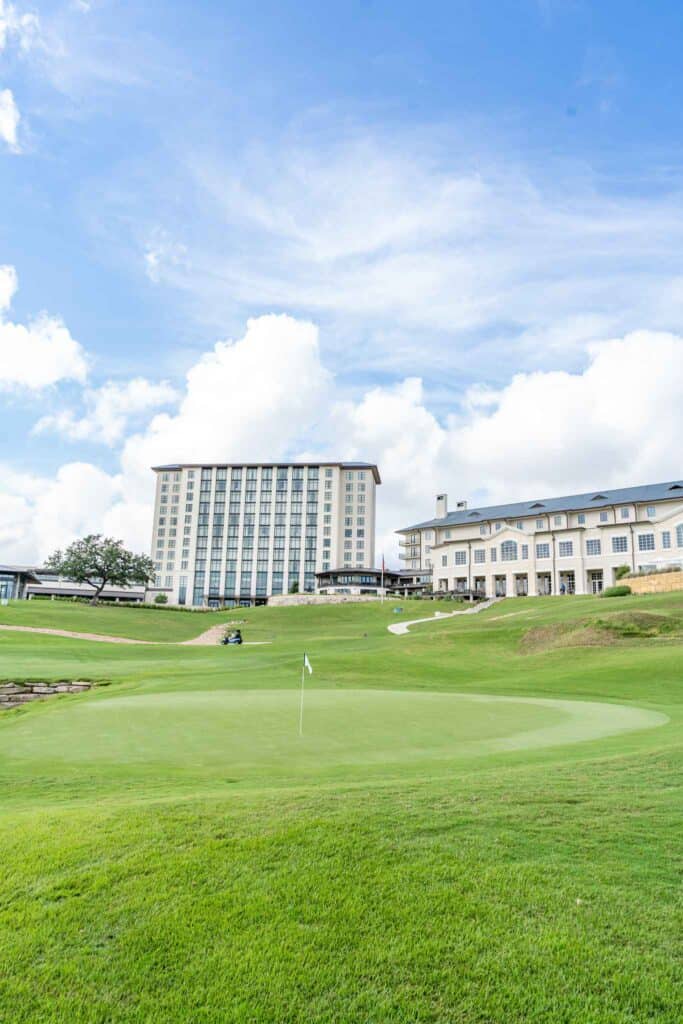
(477, 206)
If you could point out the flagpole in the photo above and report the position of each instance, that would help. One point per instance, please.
(382, 599)
(301, 702)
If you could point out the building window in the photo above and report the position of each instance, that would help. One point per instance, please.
(444, 559)
(625, 512)
(679, 535)
(603, 517)
(494, 555)
(540, 523)
(592, 547)
(619, 545)
(646, 541)
(543, 551)
(558, 520)
(525, 551)
(479, 555)
(651, 511)
(508, 551)
(666, 539)
(581, 518)
(460, 557)
(499, 526)
(566, 548)
(482, 529)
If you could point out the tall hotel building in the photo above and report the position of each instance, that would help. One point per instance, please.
(237, 534)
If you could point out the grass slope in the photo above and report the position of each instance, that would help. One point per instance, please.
(171, 853)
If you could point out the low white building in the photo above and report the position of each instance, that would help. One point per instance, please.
(570, 544)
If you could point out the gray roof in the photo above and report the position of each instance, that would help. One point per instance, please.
(19, 570)
(174, 466)
(567, 503)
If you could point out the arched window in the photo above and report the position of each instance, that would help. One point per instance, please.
(508, 551)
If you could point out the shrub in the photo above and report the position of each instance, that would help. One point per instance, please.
(622, 570)
(161, 599)
(622, 591)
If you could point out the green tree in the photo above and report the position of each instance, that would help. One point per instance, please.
(99, 560)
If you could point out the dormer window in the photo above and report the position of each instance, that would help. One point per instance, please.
(599, 497)
(676, 487)
(537, 504)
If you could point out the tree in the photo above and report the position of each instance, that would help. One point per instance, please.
(99, 560)
(294, 587)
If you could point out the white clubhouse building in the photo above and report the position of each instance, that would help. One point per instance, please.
(236, 534)
(572, 544)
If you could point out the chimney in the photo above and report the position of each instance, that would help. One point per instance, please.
(441, 506)
(461, 506)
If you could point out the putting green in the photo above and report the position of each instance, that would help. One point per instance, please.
(253, 734)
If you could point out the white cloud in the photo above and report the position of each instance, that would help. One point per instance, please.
(109, 410)
(8, 286)
(252, 398)
(269, 396)
(162, 252)
(22, 29)
(9, 120)
(466, 258)
(39, 354)
(38, 515)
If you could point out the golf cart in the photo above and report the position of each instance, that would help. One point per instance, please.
(234, 637)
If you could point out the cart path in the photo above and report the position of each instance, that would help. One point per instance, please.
(401, 628)
(209, 638)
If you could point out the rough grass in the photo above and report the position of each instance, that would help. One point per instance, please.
(602, 631)
(539, 885)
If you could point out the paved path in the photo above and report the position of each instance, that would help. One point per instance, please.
(209, 638)
(401, 628)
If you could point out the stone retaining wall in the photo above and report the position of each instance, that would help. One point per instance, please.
(287, 600)
(657, 583)
(12, 695)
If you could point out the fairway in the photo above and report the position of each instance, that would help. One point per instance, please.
(479, 825)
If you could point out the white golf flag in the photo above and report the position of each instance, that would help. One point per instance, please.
(307, 664)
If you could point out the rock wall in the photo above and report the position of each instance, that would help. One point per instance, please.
(12, 695)
(657, 583)
(287, 600)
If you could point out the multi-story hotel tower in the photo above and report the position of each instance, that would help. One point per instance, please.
(238, 533)
(572, 544)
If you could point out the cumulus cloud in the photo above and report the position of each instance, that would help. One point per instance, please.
(9, 120)
(39, 353)
(38, 514)
(269, 395)
(109, 410)
(255, 398)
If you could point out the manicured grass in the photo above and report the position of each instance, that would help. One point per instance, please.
(174, 852)
(111, 620)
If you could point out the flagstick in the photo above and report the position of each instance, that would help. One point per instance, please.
(301, 703)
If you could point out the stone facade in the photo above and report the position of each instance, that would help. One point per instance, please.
(290, 600)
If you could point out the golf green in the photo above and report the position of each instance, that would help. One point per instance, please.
(254, 734)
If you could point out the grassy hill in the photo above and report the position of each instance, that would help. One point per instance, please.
(481, 822)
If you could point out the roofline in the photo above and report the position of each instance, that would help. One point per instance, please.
(174, 466)
(478, 515)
